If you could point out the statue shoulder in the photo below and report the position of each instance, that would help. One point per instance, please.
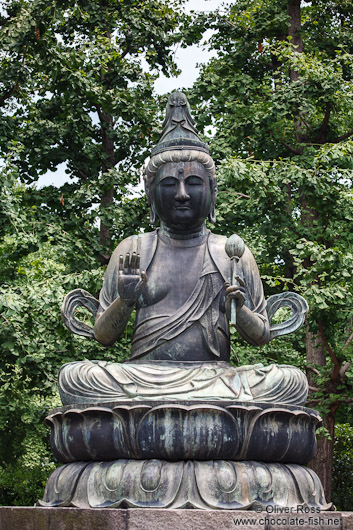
(217, 241)
(216, 246)
(131, 244)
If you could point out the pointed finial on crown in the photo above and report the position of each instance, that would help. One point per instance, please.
(178, 127)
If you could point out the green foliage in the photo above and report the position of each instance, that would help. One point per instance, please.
(40, 262)
(314, 259)
(280, 104)
(21, 485)
(247, 94)
(73, 90)
(342, 490)
(277, 101)
(26, 459)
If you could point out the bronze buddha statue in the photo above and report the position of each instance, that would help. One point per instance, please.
(179, 280)
(176, 425)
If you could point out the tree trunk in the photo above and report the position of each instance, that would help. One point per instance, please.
(315, 353)
(293, 10)
(104, 232)
(322, 463)
(107, 198)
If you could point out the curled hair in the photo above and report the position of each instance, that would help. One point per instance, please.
(179, 155)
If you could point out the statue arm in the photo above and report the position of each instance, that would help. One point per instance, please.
(253, 327)
(114, 310)
(110, 324)
(252, 321)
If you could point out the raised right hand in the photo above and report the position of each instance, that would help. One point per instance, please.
(131, 280)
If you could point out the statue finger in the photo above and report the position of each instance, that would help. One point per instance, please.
(241, 299)
(240, 280)
(133, 263)
(137, 263)
(127, 261)
(237, 295)
(121, 263)
(235, 288)
(142, 282)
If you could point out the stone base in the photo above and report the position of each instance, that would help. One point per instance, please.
(24, 518)
(220, 485)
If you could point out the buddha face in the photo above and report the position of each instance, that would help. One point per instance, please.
(182, 195)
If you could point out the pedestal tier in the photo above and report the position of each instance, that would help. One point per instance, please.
(181, 431)
(207, 485)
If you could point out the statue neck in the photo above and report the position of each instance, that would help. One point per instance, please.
(173, 233)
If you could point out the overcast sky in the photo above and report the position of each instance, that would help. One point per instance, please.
(186, 58)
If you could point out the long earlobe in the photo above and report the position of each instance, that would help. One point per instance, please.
(153, 215)
(212, 215)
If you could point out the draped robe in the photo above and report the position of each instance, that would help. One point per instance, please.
(203, 304)
(140, 379)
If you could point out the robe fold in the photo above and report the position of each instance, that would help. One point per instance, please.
(203, 305)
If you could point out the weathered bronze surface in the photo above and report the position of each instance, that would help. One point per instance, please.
(221, 484)
(181, 431)
(181, 278)
(186, 284)
(178, 426)
(84, 381)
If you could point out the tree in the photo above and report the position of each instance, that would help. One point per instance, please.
(279, 94)
(81, 95)
(343, 464)
(73, 91)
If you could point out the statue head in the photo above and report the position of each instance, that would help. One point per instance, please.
(178, 154)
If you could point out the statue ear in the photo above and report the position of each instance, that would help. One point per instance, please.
(153, 215)
(212, 214)
(214, 191)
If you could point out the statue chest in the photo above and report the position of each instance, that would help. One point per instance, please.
(172, 276)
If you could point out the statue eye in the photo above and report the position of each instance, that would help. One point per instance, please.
(194, 180)
(168, 182)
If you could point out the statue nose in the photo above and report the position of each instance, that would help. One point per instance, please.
(181, 192)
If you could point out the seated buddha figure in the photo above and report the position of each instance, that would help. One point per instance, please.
(180, 280)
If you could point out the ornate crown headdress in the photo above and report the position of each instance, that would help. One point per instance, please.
(179, 142)
(178, 127)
